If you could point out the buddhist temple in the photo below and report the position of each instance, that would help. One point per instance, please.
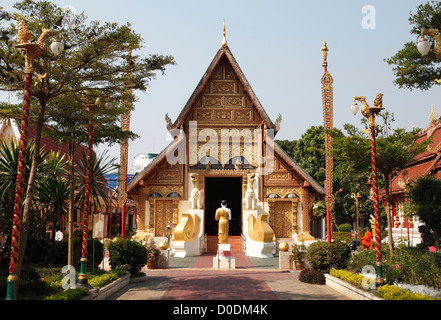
(224, 149)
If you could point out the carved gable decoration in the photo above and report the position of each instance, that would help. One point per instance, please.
(166, 174)
(224, 97)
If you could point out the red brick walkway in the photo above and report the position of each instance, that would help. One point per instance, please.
(220, 285)
(206, 261)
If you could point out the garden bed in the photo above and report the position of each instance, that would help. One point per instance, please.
(349, 290)
(106, 291)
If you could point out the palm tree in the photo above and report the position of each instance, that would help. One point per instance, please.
(101, 165)
(52, 191)
(8, 176)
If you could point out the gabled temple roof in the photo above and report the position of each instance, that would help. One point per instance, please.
(154, 163)
(427, 162)
(223, 51)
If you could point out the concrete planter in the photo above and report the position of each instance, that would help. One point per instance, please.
(111, 288)
(348, 289)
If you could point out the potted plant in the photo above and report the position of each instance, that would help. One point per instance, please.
(152, 256)
(298, 256)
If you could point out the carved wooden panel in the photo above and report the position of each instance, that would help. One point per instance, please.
(224, 99)
(163, 214)
(281, 218)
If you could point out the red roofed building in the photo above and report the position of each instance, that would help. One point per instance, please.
(426, 163)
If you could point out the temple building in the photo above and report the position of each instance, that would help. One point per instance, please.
(405, 230)
(224, 149)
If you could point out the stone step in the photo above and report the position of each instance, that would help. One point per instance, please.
(234, 241)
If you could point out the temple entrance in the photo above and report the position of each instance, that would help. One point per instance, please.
(216, 190)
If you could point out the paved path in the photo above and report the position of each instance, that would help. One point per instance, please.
(205, 284)
(195, 279)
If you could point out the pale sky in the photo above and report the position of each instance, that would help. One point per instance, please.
(277, 45)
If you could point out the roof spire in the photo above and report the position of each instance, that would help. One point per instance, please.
(433, 118)
(325, 54)
(224, 41)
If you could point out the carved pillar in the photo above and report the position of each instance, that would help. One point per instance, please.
(304, 198)
(175, 219)
(295, 204)
(271, 213)
(152, 216)
(140, 210)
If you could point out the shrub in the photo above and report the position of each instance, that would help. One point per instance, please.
(126, 251)
(309, 275)
(390, 292)
(105, 278)
(323, 256)
(70, 294)
(345, 227)
(353, 278)
(361, 259)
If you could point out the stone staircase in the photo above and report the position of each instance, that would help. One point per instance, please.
(234, 241)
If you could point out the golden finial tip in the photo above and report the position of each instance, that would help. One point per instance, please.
(325, 54)
(224, 41)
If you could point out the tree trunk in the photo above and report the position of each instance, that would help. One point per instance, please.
(389, 218)
(27, 206)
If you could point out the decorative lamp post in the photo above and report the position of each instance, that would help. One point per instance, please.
(356, 196)
(327, 100)
(31, 51)
(369, 113)
(423, 45)
(82, 278)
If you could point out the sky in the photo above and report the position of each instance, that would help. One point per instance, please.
(277, 44)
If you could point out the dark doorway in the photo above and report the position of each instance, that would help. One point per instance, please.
(216, 190)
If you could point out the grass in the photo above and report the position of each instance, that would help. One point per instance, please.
(46, 283)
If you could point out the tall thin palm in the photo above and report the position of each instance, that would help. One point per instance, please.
(101, 165)
(52, 190)
(8, 176)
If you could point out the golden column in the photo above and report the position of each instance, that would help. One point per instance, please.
(124, 149)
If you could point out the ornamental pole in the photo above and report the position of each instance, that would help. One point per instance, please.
(31, 51)
(369, 113)
(82, 277)
(124, 148)
(327, 99)
(90, 109)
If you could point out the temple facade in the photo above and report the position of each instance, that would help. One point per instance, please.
(224, 149)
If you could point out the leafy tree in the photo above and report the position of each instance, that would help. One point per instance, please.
(309, 152)
(94, 60)
(393, 152)
(425, 199)
(411, 69)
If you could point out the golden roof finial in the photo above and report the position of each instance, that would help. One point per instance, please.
(224, 41)
(433, 117)
(325, 54)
